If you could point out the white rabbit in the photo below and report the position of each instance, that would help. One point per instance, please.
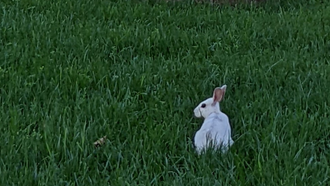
(215, 131)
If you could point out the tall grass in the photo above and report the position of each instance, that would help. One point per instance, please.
(74, 71)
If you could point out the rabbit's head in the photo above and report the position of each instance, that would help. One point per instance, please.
(211, 105)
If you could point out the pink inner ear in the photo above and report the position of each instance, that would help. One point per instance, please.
(215, 98)
(217, 95)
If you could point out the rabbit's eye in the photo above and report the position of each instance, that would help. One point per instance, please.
(203, 105)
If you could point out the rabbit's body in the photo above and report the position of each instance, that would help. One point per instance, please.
(215, 131)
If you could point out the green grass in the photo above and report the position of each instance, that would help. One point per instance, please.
(74, 71)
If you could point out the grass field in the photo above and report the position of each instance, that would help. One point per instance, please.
(74, 71)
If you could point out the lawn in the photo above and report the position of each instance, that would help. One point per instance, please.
(72, 72)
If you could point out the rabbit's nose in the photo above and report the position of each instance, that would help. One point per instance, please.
(197, 113)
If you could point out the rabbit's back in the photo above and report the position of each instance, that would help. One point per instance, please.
(216, 130)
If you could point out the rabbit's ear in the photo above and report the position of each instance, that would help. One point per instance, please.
(219, 93)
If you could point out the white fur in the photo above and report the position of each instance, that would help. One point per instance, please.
(215, 131)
